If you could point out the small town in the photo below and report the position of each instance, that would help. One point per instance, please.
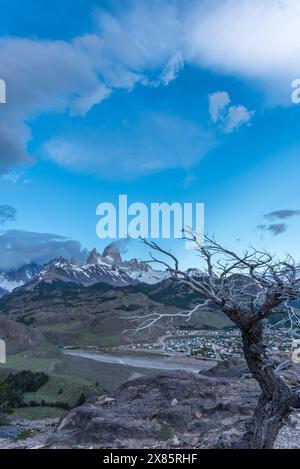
(215, 344)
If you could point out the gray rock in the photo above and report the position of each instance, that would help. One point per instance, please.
(141, 415)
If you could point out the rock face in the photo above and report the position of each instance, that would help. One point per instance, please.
(164, 410)
(93, 257)
(112, 253)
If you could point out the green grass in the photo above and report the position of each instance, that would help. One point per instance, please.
(101, 340)
(27, 361)
(165, 433)
(61, 327)
(59, 389)
(125, 300)
(25, 434)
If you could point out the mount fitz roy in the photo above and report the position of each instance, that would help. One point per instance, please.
(107, 268)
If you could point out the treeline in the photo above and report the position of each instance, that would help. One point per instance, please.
(14, 386)
(43, 403)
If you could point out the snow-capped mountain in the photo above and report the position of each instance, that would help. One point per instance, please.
(137, 270)
(10, 280)
(107, 268)
(196, 273)
(86, 274)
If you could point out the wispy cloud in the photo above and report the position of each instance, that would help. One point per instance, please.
(274, 228)
(7, 214)
(161, 141)
(282, 214)
(11, 177)
(278, 227)
(172, 69)
(19, 247)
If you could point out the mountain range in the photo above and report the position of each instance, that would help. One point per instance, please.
(107, 268)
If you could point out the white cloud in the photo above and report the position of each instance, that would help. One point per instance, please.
(172, 69)
(228, 117)
(141, 37)
(218, 102)
(236, 117)
(254, 39)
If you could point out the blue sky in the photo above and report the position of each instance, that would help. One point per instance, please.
(164, 101)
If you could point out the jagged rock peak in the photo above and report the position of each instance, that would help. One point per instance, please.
(59, 262)
(112, 253)
(93, 257)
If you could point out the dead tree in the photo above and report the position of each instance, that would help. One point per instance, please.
(248, 288)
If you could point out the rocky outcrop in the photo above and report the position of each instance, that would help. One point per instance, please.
(231, 368)
(167, 409)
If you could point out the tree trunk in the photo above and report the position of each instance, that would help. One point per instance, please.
(273, 406)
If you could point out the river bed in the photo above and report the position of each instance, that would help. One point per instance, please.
(156, 363)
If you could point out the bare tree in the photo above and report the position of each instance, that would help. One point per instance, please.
(248, 288)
